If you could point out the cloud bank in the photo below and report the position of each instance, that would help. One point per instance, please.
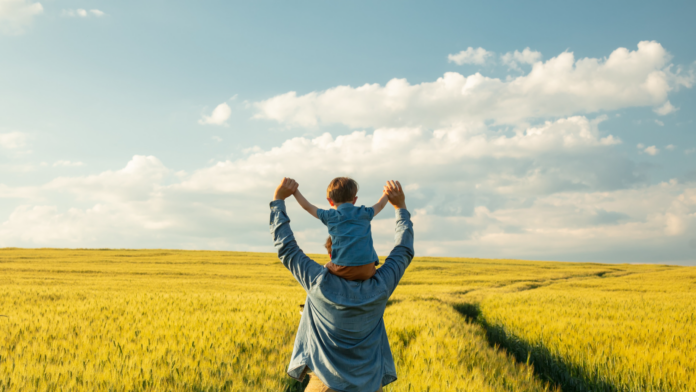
(561, 86)
(471, 192)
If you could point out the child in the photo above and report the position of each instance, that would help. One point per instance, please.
(353, 256)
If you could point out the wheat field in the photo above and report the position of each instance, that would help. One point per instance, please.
(155, 320)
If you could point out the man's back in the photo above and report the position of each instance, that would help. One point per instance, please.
(343, 323)
(341, 336)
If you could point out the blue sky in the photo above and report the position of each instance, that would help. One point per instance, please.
(575, 149)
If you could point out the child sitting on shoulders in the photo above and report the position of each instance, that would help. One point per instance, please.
(353, 255)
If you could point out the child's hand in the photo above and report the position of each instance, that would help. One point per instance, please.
(286, 189)
(395, 194)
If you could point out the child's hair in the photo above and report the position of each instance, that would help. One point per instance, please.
(342, 190)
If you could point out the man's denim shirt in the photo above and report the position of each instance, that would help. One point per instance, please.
(341, 336)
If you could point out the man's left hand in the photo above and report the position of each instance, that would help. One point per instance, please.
(286, 189)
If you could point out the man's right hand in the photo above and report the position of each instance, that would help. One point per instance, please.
(286, 189)
(395, 194)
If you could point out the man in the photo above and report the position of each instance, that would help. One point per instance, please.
(341, 336)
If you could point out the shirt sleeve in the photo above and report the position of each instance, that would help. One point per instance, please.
(323, 216)
(368, 212)
(304, 269)
(400, 257)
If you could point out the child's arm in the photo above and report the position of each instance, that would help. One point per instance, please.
(309, 207)
(381, 203)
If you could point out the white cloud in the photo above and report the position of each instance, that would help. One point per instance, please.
(652, 150)
(559, 87)
(660, 123)
(527, 56)
(67, 163)
(13, 140)
(83, 13)
(136, 181)
(477, 56)
(17, 15)
(217, 138)
(640, 146)
(690, 151)
(670, 147)
(219, 116)
(666, 109)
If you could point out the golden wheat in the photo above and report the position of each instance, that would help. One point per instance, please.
(151, 320)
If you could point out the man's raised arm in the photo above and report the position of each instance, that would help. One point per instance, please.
(402, 254)
(304, 269)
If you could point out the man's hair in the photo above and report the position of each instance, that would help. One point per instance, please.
(342, 190)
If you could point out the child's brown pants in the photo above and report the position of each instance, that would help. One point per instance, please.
(360, 272)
